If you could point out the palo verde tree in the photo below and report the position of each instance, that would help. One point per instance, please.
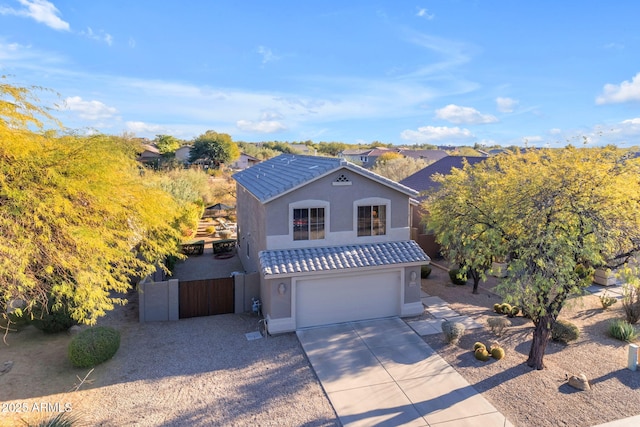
(458, 220)
(78, 219)
(552, 210)
(214, 149)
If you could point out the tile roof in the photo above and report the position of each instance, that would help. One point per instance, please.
(422, 181)
(279, 175)
(332, 258)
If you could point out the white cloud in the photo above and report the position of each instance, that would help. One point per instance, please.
(89, 110)
(464, 115)
(624, 92)
(424, 13)
(40, 11)
(142, 127)
(99, 36)
(532, 139)
(506, 105)
(555, 131)
(427, 134)
(263, 126)
(267, 54)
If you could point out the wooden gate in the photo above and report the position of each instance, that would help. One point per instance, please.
(206, 297)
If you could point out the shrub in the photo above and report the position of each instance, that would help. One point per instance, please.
(478, 345)
(607, 301)
(497, 352)
(481, 354)
(564, 331)
(622, 330)
(631, 302)
(498, 324)
(93, 346)
(453, 331)
(211, 229)
(425, 271)
(225, 234)
(62, 419)
(456, 277)
(52, 319)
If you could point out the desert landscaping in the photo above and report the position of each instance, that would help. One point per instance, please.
(204, 371)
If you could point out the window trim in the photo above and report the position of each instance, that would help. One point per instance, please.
(370, 202)
(309, 204)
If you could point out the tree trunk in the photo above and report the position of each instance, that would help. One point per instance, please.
(475, 275)
(541, 335)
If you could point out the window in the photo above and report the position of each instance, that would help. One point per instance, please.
(372, 220)
(308, 224)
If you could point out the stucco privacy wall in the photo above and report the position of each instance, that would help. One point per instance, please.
(158, 301)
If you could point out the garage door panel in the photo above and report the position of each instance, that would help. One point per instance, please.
(327, 300)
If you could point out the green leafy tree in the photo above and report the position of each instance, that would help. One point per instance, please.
(77, 216)
(552, 210)
(396, 167)
(167, 144)
(457, 218)
(331, 148)
(214, 149)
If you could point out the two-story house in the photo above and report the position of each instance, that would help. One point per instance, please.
(330, 240)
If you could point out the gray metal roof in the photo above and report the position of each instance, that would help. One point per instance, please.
(279, 175)
(331, 258)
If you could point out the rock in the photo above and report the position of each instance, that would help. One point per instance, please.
(6, 367)
(579, 382)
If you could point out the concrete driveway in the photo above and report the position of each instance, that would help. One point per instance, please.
(380, 372)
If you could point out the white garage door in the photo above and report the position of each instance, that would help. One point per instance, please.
(335, 299)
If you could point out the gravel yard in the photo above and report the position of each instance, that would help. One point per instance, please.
(194, 372)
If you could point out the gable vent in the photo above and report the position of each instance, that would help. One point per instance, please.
(342, 180)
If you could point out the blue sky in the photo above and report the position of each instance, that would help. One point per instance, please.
(438, 72)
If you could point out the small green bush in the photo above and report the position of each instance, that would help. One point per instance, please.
(481, 354)
(93, 346)
(564, 331)
(497, 352)
(456, 277)
(425, 271)
(52, 320)
(622, 330)
(498, 324)
(453, 331)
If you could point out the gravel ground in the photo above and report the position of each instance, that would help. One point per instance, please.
(542, 398)
(198, 372)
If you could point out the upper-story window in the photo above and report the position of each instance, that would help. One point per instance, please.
(308, 224)
(372, 220)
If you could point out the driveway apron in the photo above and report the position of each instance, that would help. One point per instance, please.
(380, 372)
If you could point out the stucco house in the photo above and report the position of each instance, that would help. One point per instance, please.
(244, 161)
(330, 241)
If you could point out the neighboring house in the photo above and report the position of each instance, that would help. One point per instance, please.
(182, 154)
(366, 157)
(150, 155)
(244, 161)
(422, 182)
(330, 240)
(429, 156)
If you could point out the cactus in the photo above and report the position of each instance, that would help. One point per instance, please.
(497, 308)
(514, 311)
(452, 331)
(505, 308)
(478, 345)
(497, 352)
(481, 354)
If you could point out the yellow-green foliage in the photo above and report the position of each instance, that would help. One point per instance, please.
(211, 229)
(78, 219)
